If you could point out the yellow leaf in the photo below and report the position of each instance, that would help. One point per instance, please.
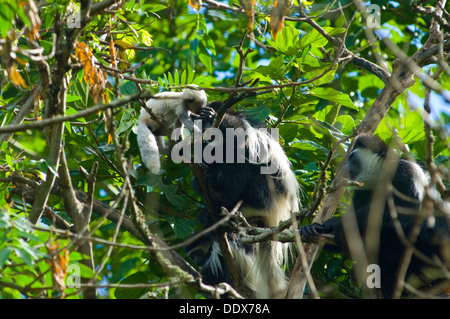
(307, 3)
(145, 38)
(21, 61)
(109, 139)
(112, 51)
(124, 45)
(126, 51)
(15, 77)
(123, 56)
(106, 98)
(196, 4)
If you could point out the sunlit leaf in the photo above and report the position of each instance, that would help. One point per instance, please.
(196, 4)
(332, 95)
(145, 37)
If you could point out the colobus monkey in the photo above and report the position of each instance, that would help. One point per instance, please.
(168, 107)
(266, 199)
(409, 180)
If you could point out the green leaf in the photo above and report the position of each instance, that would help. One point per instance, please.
(276, 69)
(145, 37)
(160, 82)
(5, 220)
(44, 166)
(136, 278)
(190, 75)
(183, 227)
(71, 98)
(311, 150)
(288, 41)
(205, 58)
(4, 146)
(176, 78)
(345, 123)
(9, 9)
(315, 39)
(288, 132)
(171, 81)
(4, 255)
(328, 114)
(178, 201)
(128, 88)
(153, 7)
(332, 95)
(183, 79)
(259, 113)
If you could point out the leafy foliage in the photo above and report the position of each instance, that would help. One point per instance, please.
(315, 97)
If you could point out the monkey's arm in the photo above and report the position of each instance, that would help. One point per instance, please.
(188, 122)
(329, 226)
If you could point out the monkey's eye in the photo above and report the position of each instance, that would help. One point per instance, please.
(190, 100)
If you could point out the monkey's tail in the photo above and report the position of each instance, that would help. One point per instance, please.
(272, 282)
(148, 148)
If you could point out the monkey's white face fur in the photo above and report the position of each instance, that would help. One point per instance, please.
(171, 106)
(168, 107)
(365, 167)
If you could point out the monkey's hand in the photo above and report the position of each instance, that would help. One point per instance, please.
(329, 226)
(206, 114)
(312, 230)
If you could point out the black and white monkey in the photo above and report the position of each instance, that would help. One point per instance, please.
(268, 197)
(168, 107)
(366, 164)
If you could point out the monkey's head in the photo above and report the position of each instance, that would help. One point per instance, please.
(194, 100)
(365, 161)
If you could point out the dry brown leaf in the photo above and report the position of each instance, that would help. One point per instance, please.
(93, 76)
(279, 11)
(15, 76)
(58, 263)
(32, 13)
(249, 8)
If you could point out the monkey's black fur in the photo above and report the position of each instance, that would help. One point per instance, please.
(409, 180)
(231, 182)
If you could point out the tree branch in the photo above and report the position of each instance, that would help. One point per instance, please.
(60, 119)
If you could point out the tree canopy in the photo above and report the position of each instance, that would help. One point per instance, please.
(80, 216)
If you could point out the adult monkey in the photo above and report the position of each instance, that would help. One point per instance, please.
(368, 160)
(259, 175)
